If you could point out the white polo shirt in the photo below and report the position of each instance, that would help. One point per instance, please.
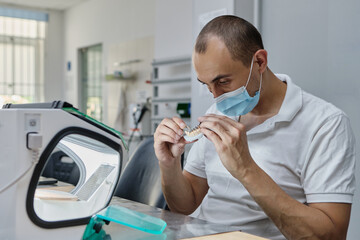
(308, 149)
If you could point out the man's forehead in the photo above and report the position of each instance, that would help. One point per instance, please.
(213, 62)
(208, 68)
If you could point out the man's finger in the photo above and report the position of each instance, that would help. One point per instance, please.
(161, 138)
(212, 136)
(227, 130)
(180, 122)
(217, 127)
(218, 118)
(168, 131)
(170, 123)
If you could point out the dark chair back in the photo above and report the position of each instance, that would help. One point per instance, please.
(62, 171)
(140, 180)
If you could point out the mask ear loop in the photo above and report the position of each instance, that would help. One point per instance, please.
(252, 62)
(251, 66)
(260, 83)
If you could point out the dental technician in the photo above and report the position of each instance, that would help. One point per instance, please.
(275, 160)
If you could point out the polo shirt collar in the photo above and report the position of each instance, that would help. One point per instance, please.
(292, 102)
(289, 108)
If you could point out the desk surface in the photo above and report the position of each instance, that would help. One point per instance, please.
(178, 226)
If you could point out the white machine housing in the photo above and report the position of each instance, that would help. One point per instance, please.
(17, 164)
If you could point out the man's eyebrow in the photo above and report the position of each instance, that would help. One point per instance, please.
(217, 78)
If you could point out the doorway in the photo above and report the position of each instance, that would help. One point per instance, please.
(91, 81)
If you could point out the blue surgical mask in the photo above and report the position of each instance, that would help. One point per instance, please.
(238, 102)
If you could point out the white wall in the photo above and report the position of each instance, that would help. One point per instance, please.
(318, 44)
(107, 22)
(54, 55)
(114, 22)
(173, 31)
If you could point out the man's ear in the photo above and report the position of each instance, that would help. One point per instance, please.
(261, 60)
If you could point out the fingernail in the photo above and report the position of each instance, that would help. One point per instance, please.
(182, 125)
(177, 137)
(180, 132)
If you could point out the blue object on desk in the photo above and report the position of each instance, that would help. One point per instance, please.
(124, 216)
(133, 219)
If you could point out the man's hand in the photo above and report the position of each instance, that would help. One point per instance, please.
(168, 141)
(229, 138)
(183, 191)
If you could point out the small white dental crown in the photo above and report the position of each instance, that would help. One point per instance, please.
(192, 134)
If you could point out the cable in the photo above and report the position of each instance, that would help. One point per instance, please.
(137, 121)
(33, 162)
(132, 134)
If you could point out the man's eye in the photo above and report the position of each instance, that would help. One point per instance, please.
(224, 82)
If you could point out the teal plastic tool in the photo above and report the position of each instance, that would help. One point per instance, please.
(124, 216)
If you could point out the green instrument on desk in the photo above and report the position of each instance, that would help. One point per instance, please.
(124, 216)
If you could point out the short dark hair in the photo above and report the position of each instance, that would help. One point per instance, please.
(240, 37)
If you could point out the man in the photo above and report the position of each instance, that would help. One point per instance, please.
(275, 160)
